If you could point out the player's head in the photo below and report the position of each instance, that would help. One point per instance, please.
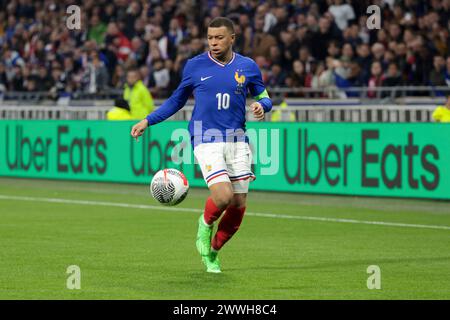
(220, 36)
(133, 75)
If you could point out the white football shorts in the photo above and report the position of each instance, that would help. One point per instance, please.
(226, 162)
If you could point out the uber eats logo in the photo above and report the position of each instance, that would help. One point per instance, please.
(63, 152)
(368, 159)
(404, 156)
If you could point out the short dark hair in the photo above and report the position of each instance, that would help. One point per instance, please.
(133, 69)
(222, 22)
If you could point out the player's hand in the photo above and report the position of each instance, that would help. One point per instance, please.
(258, 111)
(139, 128)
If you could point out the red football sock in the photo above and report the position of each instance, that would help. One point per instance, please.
(228, 226)
(212, 212)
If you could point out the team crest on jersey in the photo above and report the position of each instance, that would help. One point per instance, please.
(208, 167)
(240, 79)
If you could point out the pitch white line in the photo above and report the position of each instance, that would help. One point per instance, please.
(255, 214)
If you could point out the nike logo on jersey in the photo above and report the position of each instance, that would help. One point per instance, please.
(205, 78)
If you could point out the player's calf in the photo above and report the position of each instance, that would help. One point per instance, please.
(228, 226)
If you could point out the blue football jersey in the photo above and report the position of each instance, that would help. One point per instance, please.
(220, 92)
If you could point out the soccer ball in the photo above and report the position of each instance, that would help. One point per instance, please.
(169, 187)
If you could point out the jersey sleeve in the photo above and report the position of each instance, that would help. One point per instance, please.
(177, 100)
(258, 89)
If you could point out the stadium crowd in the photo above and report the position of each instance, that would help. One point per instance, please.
(303, 43)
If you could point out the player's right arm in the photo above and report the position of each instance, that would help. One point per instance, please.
(175, 102)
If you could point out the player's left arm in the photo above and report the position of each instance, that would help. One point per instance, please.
(262, 105)
(258, 90)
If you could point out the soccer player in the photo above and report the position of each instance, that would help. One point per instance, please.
(219, 80)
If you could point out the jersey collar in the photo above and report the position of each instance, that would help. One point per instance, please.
(220, 63)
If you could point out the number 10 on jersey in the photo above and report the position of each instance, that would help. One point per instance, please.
(223, 101)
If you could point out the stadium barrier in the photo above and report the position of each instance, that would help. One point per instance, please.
(303, 111)
(394, 94)
(371, 159)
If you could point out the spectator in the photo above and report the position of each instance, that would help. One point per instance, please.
(382, 37)
(44, 81)
(235, 8)
(276, 76)
(288, 46)
(137, 95)
(442, 113)
(121, 43)
(59, 85)
(120, 111)
(261, 41)
(395, 32)
(282, 114)
(119, 77)
(321, 39)
(138, 51)
(447, 72)
(317, 71)
(351, 35)
(342, 13)
(364, 59)
(378, 51)
(30, 84)
(355, 78)
(282, 23)
(175, 33)
(163, 44)
(298, 76)
(275, 56)
(437, 74)
(160, 79)
(263, 65)
(97, 30)
(305, 57)
(376, 79)
(401, 58)
(419, 62)
(132, 14)
(327, 79)
(334, 49)
(145, 75)
(342, 72)
(347, 52)
(388, 58)
(96, 75)
(16, 79)
(393, 78)
(3, 78)
(269, 20)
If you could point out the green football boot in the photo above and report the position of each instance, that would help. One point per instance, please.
(212, 262)
(214, 265)
(204, 234)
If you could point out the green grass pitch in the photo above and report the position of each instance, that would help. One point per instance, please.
(290, 246)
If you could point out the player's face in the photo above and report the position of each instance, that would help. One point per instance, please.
(220, 41)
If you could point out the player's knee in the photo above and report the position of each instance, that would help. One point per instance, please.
(239, 200)
(223, 198)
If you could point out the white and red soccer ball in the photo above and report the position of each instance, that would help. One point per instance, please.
(169, 187)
